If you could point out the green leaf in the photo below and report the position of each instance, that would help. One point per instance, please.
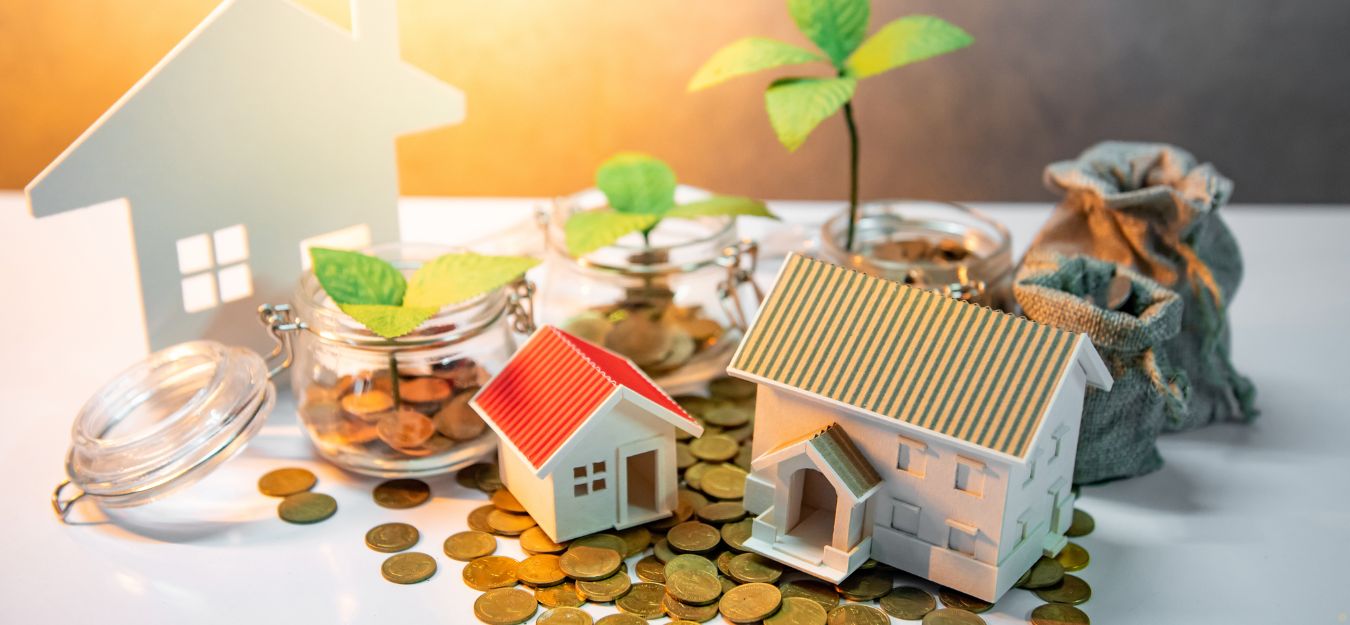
(748, 56)
(454, 278)
(797, 105)
(636, 183)
(389, 322)
(907, 40)
(722, 205)
(591, 230)
(354, 278)
(837, 26)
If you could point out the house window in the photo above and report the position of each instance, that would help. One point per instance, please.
(214, 268)
(588, 478)
(969, 476)
(910, 456)
(905, 516)
(961, 537)
(1024, 526)
(1031, 468)
(1057, 440)
(579, 490)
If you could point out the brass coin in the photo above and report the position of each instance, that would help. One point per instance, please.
(565, 615)
(604, 541)
(1082, 524)
(644, 600)
(404, 428)
(723, 562)
(408, 568)
(866, 585)
(689, 502)
(727, 387)
(714, 448)
(749, 568)
(650, 569)
(727, 583)
(563, 595)
(1058, 614)
(504, 500)
(478, 518)
(693, 476)
(908, 603)
(535, 540)
(368, 404)
(680, 611)
(952, 616)
(583, 562)
(1071, 590)
(693, 536)
(955, 599)
(402, 493)
(1073, 557)
(728, 416)
(540, 570)
(689, 562)
(490, 572)
(721, 512)
(798, 611)
(820, 592)
(1045, 572)
(392, 537)
(468, 476)
(458, 420)
(469, 545)
(661, 549)
(489, 478)
(694, 587)
(505, 606)
(621, 619)
(636, 539)
(641, 339)
(683, 457)
(750, 602)
(605, 590)
(424, 390)
(735, 534)
(509, 523)
(857, 614)
(288, 481)
(724, 482)
(305, 508)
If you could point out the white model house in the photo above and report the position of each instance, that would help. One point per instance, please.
(587, 439)
(931, 434)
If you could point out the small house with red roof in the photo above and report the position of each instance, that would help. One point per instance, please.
(587, 439)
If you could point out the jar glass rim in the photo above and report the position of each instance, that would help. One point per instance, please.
(832, 232)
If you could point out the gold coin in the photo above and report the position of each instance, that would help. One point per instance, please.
(661, 549)
(489, 478)
(288, 481)
(798, 611)
(644, 600)
(408, 568)
(1073, 557)
(749, 568)
(367, 404)
(641, 339)
(696, 405)
(723, 562)
(727, 416)
(693, 476)
(490, 572)
(724, 482)
(650, 569)
(908, 603)
(1059, 614)
(680, 611)
(402, 493)
(683, 457)
(694, 587)
(540, 570)
(621, 619)
(1082, 524)
(721, 512)
(866, 585)
(604, 541)
(564, 615)
(952, 616)
(1045, 572)
(857, 614)
(820, 592)
(727, 387)
(478, 518)
(682, 348)
(693, 536)
(750, 602)
(505, 606)
(535, 540)
(636, 539)
(505, 501)
(605, 590)
(583, 562)
(689, 562)
(304, 508)
(392, 537)
(509, 523)
(714, 448)
(424, 390)
(469, 545)
(458, 420)
(735, 534)
(1071, 590)
(404, 428)
(468, 476)
(956, 599)
(563, 595)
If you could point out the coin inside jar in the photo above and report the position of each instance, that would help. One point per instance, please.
(287, 481)
(750, 602)
(469, 545)
(458, 420)
(367, 405)
(408, 568)
(583, 562)
(392, 537)
(505, 606)
(305, 508)
(424, 390)
(402, 493)
(404, 428)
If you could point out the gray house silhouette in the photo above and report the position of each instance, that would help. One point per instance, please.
(267, 129)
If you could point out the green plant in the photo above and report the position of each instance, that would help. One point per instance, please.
(640, 190)
(797, 105)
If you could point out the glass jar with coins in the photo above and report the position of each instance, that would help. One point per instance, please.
(675, 302)
(940, 246)
(400, 407)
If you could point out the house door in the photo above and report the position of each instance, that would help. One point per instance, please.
(640, 491)
(810, 515)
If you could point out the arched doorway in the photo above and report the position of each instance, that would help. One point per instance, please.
(811, 514)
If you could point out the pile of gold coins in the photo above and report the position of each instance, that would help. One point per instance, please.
(922, 250)
(657, 338)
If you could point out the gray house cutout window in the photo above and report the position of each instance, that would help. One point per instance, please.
(214, 268)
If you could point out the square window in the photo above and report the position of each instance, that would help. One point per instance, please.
(1032, 461)
(199, 292)
(1024, 526)
(349, 238)
(905, 516)
(579, 490)
(969, 476)
(911, 456)
(194, 254)
(598, 485)
(236, 282)
(231, 245)
(579, 472)
(1058, 441)
(961, 537)
(598, 467)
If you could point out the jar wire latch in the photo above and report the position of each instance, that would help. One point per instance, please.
(520, 306)
(740, 261)
(279, 319)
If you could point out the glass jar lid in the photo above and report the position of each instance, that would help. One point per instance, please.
(166, 422)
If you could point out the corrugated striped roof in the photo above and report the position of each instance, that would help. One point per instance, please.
(839, 452)
(963, 370)
(552, 385)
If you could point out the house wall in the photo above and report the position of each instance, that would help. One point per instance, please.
(534, 493)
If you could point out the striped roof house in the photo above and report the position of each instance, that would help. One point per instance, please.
(554, 384)
(891, 351)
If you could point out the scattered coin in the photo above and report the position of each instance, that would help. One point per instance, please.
(680, 611)
(604, 541)
(535, 540)
(748, 568)
(489, 478)
(650, 569)
(563, 595)
(908, 603)
(490, 572)
(1073, 557)
(750, 602)
(728, 416)
(644, 600)
(1045, 572)
(402, 493)
(287, 481)
(564, 615)
(952, 616)
(621, 619)
(693, 536)
(306, 507)
(727, 387)
(661, 549)
(721, 512)
(798, 611)
(478, 519)
(408, 568)
(504, 500)
(583, 562)
(540, 570)
(468, 476)
(1058, 614)
(636, 540)
(392, 537)
(735, 534)
(505, 606)
(820, 592)
(1082, 524)
(955, 599)
(1071, 590)
(689, 562)
(605, 590)
(724, 482)
(714, 448)
(694, 587)
(866, 585)
(857, 614)
(508, 523)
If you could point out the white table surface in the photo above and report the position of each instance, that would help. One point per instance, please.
(1244, 524)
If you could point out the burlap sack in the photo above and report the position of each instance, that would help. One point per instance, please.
(1152, 208)
(1119, 427)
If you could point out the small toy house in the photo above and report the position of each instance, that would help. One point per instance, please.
(587, 439)
(893, 423)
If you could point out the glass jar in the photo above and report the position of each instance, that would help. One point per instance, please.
(940, 246)
(676, 304)
(400, 407)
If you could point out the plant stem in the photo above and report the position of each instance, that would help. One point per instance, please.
(393, 378)
(852, 175)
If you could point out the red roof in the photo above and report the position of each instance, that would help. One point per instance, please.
(553, 385)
